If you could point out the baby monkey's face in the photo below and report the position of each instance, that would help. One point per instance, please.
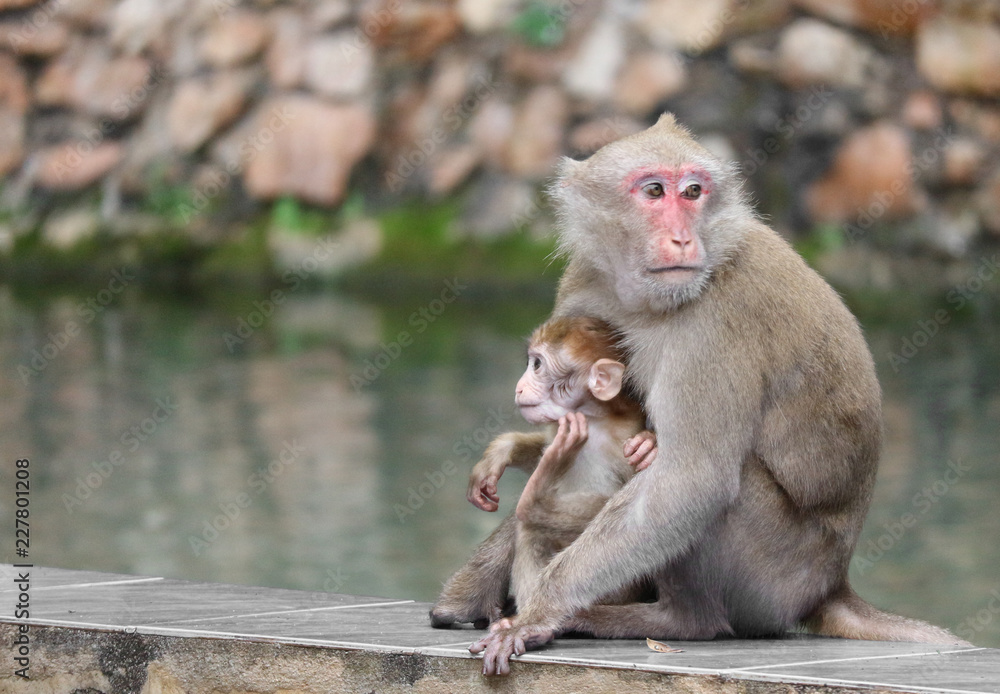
(551, 386)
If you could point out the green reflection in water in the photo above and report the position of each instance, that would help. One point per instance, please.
(312, 448)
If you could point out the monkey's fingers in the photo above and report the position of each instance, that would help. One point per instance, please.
(576, 434)
(483, 494)
(496, 661)
(485, 504)
(631, 445)
(646, 461)
(581, 426)
(489, 647)
(557, 449)
(640, 452)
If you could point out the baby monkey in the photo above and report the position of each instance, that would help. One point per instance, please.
(574, 382)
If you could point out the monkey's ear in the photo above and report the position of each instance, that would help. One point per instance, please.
(567, 168)
(666, 120)
(606, 378)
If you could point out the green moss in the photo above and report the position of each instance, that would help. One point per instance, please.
(289, 214)
(821, 239)
(246, 261)
(540, 24)
(419, 242)
(171, 202)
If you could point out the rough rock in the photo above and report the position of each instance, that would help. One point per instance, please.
(988, 203)
(952, 228)
(14, 96)
(16, 4)
(535, 65)
(449, 84)
(201, 107)
(339, 66)
(76, 165)
(482, 16)
(882, 17)
(690, 27)
(960, 56)
(812, 52)
(647, 79)
(13, 106)
(963, 161)
(591, 72)
(539, 123)
(12, 130)
(286, 56)
(329, 13)
(922, 110)
(66, 229)
(757, 16)
(588, 137)
(40, 40)
(751, 56)
(306, 148)
(413, 31)
(452, 167)
(234, 39)
(138, 24)
(89, 79)
(358, 242)
(87, 13)
(981, 119)
(497, 204)
(871, 175)
(491, 129)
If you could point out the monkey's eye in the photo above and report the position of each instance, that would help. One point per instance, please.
(653, 189)
(536, 363)
(692, 192)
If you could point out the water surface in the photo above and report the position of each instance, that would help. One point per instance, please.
(326, 445)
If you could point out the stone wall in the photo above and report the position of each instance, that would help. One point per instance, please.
(852, 113)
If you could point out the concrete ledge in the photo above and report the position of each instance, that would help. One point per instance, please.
(111, 634)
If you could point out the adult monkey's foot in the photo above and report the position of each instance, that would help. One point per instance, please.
(508, 639)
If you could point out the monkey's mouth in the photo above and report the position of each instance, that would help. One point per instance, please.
(534, 414)
(673, 268)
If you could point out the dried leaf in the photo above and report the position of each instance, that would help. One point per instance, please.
(661, 647)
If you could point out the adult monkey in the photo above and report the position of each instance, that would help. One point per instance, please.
(763, 396)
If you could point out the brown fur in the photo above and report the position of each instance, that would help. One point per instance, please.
(550, 515)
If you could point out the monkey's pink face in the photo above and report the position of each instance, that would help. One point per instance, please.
(671, 201)
(547, 390)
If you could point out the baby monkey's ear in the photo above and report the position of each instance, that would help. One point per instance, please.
(606, 378)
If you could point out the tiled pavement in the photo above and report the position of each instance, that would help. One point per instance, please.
(88, 600)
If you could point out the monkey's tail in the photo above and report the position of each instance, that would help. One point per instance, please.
(847, 616)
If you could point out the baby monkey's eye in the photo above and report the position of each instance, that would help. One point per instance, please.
(692, 192)
(536, 363)
(653, 189)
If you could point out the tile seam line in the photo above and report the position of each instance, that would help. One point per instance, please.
(451, 646)
(855, 659)
(328, 608)
(35, 589)
(894, 686)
